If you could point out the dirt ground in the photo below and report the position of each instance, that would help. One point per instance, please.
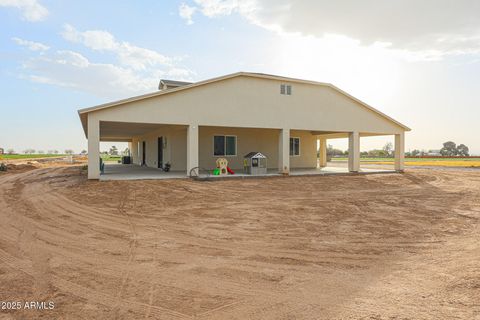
(384, 246)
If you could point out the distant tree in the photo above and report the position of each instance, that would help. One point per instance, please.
(415, 152)
(29, 151)
(331, 151)
(83, 152)
(40, 152)
(10, 151)
(388, 149)
(113, 151)
(69, 151)
(55, 151)
(377, 153)
(449, 149)
(126, 152)
(462, 150)
(364, 153)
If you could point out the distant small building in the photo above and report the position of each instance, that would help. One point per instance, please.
(434, 153)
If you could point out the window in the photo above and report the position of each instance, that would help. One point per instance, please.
(294, 146)
(286, 89)
(224, 145)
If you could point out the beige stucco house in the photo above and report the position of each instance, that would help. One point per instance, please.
(190, 125)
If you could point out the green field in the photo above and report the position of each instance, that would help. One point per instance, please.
(108, 157)
(408, 159)
(29, 156)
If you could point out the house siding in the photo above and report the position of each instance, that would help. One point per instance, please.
(248, 139)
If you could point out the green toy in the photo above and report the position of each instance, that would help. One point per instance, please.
(216, 172)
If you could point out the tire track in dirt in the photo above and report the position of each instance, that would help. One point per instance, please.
(89, 294)
(131, 250)
(153, 286)
(27, 238)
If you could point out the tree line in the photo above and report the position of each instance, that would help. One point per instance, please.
(33, 151)
(449, 149)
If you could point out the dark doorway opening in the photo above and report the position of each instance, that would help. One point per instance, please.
(160, 153)
(144, 146)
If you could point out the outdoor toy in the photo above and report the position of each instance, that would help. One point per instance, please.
(222, 164)
(216, 172)
(230, 170)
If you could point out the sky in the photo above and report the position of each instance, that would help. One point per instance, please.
(417, 61)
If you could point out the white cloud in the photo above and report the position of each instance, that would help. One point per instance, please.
(186, 12)
(71, 69)
(94, 39)
(31, 45)
(135, 70)
(212, 8)
(440, 27)
(31, 10)
(129, 55)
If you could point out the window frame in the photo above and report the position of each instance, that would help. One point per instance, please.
(299, 147)
(286, 89)
(225, 145)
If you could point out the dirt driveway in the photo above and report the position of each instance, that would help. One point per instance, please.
(340, 247)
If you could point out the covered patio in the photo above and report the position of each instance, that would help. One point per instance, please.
(137, 172)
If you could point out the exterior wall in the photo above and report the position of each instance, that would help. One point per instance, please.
(175, 151)
(255, 103)
(308, 150)
(261, 140)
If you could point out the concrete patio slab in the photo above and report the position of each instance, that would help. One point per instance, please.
(136, 172)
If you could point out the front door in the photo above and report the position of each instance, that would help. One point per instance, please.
(160, 152)
(143, 153)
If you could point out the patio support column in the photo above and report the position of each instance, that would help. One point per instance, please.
(284, 151)
(354, 151)
(399, 151)
(323, 152)
(93, 147)
(192, 147)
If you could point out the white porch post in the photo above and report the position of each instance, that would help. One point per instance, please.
(192, 147)
(399, 151)
(323, 152)
(93, 148)
(284, 151)
(354, 151)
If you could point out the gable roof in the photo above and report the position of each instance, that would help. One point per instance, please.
(255, 154)
(187, 86)
(171, 84)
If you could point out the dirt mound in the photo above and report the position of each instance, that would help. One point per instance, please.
(19, 168)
